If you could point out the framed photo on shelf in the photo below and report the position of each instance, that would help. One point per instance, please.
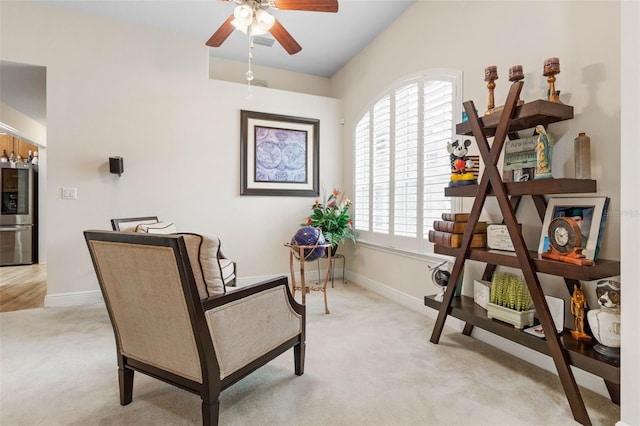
(279, 155)
(589, 213)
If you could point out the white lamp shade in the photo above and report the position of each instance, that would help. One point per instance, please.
(239, 26)
(264, 20)
(243, 15)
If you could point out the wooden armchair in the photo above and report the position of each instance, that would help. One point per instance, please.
(151, 225)
(163, 328)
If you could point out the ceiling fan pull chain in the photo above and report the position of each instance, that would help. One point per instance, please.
(249, 73)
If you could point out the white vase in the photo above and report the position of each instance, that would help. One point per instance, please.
(519, 319)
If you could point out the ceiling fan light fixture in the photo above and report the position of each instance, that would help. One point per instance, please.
(255, 29)
(250, 22)
(238, 26)
(244, 15)
(264, 20)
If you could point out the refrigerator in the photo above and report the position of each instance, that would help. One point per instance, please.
(17, 218)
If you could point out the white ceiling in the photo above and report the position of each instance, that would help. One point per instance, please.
(328, 40)
(24, 88)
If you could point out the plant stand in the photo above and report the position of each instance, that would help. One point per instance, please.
(299, 250)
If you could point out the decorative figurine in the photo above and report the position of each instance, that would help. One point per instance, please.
(605, 322)
(490, 75)
(460, 163)
(516, 74)
(440, 277)
(544, 154)
(550, 69)
(578, 306)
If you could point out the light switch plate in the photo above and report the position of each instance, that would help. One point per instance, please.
(69, 193)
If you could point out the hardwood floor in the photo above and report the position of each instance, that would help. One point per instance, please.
(22, 287)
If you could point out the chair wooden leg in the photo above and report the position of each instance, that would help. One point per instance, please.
(298, 357)
(125, 379)
(210, 413)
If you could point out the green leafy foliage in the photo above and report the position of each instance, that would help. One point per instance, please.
(332, 217)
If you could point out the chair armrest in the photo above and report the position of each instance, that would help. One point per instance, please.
(248, 290)
(252, 322)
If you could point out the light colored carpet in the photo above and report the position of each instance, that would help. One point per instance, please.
(368, 363)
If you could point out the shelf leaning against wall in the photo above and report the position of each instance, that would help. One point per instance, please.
(564, 350)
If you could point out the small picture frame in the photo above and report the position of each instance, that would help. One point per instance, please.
(589, 213)
(279, 155)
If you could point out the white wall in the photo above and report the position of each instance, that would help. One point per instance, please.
(630, 213)
(143, 94)
(234, 71)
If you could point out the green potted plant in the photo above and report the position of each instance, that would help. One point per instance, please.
(332, 217)
(510, 301)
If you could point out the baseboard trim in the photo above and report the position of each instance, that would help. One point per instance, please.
(78, 298)
(411, 302)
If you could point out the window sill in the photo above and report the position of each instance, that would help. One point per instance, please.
(409, 254)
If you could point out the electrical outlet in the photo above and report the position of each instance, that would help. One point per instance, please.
(69, 193)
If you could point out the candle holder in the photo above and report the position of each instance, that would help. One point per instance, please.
(551, 68)
(490, 75)
(516, 74)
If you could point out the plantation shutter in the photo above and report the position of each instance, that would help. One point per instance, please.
(362, 170)
(401, 163)
(438, 125)
(406, 161)
(381, 164)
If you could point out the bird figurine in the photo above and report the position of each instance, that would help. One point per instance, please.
(544, 154)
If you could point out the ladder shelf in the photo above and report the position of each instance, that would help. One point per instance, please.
(560, 346)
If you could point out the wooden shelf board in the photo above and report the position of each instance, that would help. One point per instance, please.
(602, 268)
(581, 354)
(531, 187)
(525, 117)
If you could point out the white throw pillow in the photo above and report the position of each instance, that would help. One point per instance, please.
(228, 273)
(133, 225)
(157, 228)
(211, 266)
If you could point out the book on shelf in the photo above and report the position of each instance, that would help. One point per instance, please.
(519, 160)
(475, 169)
(519, 165)
(455, 217)
(498, 237)
(519, 175)
(449, 239)
(520, 145)
(457, 227)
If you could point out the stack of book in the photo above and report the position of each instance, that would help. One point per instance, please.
(448, 231)
(519, 159)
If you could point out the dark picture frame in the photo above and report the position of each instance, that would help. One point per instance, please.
(591, 215)
(279, 155)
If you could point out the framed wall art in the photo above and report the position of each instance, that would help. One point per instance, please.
(279, 155)
(589, 213)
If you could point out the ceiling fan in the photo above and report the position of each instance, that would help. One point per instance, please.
(251, 17)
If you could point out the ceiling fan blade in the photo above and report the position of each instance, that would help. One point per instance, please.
(310, 5)
(284, 38)
(221, 33)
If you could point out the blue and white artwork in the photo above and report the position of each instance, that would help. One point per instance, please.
(281, 155)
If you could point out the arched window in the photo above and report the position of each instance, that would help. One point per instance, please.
(401, 162)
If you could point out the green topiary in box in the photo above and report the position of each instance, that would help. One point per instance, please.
(510, 291)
